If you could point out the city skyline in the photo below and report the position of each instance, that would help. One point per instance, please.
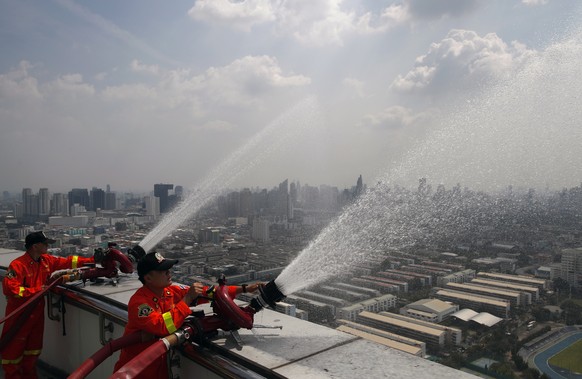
(482, 92)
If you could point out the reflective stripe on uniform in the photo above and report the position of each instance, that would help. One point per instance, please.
(12, 361)
(169, 321)
(21, 291)
(75, 261)
(32, 352)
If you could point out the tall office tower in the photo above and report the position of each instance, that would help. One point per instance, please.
(233, 204)
(283, 200)
(359, 186)
(5, 195)
(572, 266)
(310, 196)
(97, 199)
(33, 206)
(179, 192)
(260, 201)
(59, 205)
(246, 203)
(79, 196)
(108, 188)
(26, 193)
(161, 191)
(293, 193)
(110, 201)
(18, 210)
(44, 202)
(152, 206)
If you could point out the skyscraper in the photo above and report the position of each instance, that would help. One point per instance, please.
(97, 199)
(79, 196)
(161, 191)
(26, 193)
(110, 200)
(43, 202)
(60, 205)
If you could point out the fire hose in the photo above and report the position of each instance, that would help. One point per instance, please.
(228, 316)
(105, 352)
(112, 259)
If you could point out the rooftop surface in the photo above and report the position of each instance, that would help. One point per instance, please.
(300, 349)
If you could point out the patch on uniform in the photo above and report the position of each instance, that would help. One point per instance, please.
(11, 274)
(144, 310)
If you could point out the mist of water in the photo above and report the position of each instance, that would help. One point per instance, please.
(273, 138)
(524, 132)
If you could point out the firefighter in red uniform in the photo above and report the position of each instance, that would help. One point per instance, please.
(159, 309)
(26, 276)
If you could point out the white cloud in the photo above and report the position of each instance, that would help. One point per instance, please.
(534, 2)
(137, 66)
(393, 117)
(243, 14)
(244, 81)
(311, 22)
(463, 59)
(17, 84)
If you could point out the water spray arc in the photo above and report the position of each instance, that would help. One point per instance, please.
(273, 138)
(522, 131)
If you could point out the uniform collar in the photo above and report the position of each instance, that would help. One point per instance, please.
(153, 295)
(29, 258)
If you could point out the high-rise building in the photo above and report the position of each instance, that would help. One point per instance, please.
(43, 202)
(110, 201)
(59, 205)
(161, 192)
(571, 270)
(179, 192)
(97, 199)
(33, 206)
(152, 206)
(283, 200)
(246, 203)
(293, 194)
(79, 196)
(359, 186)
(26, 193)
(233, 204)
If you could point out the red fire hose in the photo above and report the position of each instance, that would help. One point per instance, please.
(225, 307)
(228, 316)
(142, 361)
(24, 311)
(105, 352)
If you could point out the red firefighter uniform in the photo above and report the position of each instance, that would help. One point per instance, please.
(148, 313)
(25, 278)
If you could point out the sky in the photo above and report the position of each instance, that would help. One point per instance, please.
(138, 92)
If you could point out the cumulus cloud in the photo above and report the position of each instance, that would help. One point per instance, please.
(534, 2)
(18, 84)
(462, 59)
(242, 14)
(312, 22)
(137, 66)
(247, 81)
(393, 117)
(192, 110)
(242, 82)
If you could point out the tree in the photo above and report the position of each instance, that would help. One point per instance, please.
(572, 312)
